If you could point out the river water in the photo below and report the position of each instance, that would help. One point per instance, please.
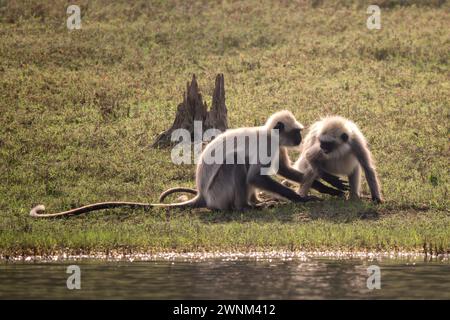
(308, 278)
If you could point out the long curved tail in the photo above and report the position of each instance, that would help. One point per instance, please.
(168, 192)
(195, 202)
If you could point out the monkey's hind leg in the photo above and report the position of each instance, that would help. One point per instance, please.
(242, 191)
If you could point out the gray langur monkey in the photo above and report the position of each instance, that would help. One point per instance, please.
(335, 145)
(220, 192)
(223, 185)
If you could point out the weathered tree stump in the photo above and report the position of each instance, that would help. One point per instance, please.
(193, 108)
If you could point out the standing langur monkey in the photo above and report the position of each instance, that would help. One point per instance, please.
(228, 174)
(335, 145)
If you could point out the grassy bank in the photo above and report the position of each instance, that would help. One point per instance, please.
(78, 111)
(286, 228)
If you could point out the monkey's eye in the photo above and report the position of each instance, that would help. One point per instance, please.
(279, 126)
(344, 137)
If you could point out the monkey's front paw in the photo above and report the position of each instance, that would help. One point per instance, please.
(340, 184)
(345, 186)
(377, 200)
(336, 193)
(342, 195)
(335, 181)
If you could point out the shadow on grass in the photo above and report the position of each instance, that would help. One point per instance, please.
(338, 211)
(334, 210)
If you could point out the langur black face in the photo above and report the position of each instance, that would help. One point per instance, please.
(295, 136)
(330, 142)
(327, 146)
(289, 137)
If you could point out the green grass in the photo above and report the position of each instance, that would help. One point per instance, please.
(79, 110)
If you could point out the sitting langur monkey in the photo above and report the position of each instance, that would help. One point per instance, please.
(335, 145)
(224, 182)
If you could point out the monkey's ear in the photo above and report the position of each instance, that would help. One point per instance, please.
(344, 137)
(279, 126)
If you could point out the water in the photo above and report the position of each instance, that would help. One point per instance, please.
(312, 278)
